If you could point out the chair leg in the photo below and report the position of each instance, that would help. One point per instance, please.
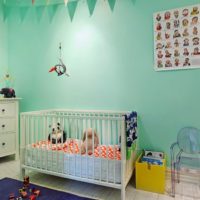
(178, 172)
(173, 179)
(178, 163)
(172, 176)
(173, 165)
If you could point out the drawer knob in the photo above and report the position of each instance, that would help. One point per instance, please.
(3, 125)
(3, 110)
(3, 144)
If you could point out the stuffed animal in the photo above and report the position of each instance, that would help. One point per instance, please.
(57, 134)
(88, 143)
(8, 92)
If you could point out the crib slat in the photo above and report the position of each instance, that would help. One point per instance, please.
(63, 156)
(26, 133)
(32, 139)
(93, 149)
(87, 149)
(123, 156)
(35, 132)
(68, 156)
(74, 153)
(100, 153)
(107, 149)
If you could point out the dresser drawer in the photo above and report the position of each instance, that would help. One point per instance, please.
(7, 109)
(7, 143)
(7, 125)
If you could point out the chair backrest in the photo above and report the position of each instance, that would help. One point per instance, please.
(189, 140)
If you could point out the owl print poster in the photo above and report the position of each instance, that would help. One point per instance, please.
(177, 38)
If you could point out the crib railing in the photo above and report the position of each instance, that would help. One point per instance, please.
(105, 166)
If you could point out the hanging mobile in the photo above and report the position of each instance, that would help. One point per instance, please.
(60, 68)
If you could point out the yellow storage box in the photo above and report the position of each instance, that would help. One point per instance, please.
(150, 177)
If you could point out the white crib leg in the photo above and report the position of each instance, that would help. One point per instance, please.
(123, 193)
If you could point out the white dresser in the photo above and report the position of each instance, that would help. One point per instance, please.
(9, 127)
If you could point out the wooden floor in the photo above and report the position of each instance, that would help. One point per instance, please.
(185, 190)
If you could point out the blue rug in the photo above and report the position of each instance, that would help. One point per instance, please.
(8, 186)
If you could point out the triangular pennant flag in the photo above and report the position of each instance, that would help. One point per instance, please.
(23, 11)
(1, 9)
(112, 4)
(52, 11)
(133, 1)
(3, 13)
(72, 8)
(65, 2)
(39, 12)
(91, 5)
(6, 12)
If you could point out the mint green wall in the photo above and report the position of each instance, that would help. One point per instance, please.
(3, 45)
(110, 59)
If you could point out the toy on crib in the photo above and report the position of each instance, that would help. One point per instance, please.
(88, 141)
(8, 92)
(57, 134)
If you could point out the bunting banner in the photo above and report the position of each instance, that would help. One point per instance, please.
(6, 12)
(23, 11)
(1, 9)
(111, 4)
(65, 2)
(91, 5)
(71, 6)
(134, 1)
(52, 7)
(52, 11)
(39, 12)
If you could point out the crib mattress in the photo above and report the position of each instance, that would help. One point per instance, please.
(66, 159)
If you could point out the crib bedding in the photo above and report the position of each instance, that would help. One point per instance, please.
(72, 146)
(65, 158)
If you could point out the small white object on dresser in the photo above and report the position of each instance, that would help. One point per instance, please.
(9, 127)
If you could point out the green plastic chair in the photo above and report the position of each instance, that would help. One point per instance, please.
(186, 147)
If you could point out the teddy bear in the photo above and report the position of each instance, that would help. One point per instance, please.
(88, 141)
(57, 135)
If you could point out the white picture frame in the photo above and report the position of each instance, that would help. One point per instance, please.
(177, 38)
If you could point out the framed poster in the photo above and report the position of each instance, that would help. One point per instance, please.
(177, 38)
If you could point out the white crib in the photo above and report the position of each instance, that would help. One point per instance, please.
(107, 165)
